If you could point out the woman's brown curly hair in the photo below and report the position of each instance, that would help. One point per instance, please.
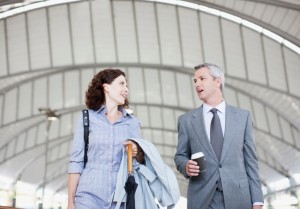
(94, 96)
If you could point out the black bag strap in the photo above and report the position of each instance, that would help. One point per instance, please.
(86, 123)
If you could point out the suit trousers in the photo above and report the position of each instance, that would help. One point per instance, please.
(217, 201)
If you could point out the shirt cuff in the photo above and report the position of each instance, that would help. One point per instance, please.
(258, 203)
(75, 167)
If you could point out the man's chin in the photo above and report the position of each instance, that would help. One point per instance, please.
(201, 96)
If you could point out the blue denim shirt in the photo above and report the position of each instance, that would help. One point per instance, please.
(98, 180)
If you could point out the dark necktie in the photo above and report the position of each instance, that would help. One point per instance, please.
(216, 134)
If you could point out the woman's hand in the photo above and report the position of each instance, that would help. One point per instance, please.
(137, 151)
(134, 147)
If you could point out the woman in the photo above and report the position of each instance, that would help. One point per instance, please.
(110, 125)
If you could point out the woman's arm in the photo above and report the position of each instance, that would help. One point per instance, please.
(72, 187)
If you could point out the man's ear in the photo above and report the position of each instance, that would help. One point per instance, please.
(219, 82)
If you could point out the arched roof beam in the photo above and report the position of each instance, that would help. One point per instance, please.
(265, 25)
(259, 99)
(44, 183)
(67, 111)
(62, 187)
(179, 69)
(283, 190)
(279, 3)
(265, 87)
(8, 87)
(292, 146)
(53, 177)
(273, 168)
(64, 138)
(279, 168)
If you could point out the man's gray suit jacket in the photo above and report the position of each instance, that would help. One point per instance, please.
(238, 166)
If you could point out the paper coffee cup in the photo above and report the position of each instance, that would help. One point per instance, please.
(200, 159)
(197, 155)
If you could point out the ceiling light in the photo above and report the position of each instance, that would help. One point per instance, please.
(51, 115)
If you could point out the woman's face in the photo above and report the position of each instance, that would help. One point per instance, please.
(117, 91)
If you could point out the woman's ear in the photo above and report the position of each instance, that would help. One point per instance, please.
(105, 88)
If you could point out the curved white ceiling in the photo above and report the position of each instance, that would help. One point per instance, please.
(48, 56)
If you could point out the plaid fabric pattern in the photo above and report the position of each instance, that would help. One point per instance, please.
(98, 179)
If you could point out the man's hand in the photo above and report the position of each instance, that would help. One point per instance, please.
(191, 168)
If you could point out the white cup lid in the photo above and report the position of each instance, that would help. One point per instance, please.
(197, 155)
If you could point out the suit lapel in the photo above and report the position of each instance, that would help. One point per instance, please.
(199, 128)
(231, 122)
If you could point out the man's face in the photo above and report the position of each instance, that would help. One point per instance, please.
(206, 86)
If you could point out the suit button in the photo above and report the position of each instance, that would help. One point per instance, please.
(220, 166)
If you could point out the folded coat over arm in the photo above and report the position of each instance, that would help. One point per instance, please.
(155, 180)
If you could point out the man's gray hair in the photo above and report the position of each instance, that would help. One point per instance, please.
(215, 71)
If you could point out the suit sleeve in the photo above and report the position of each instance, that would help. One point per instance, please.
(251, 163)
(183, 152)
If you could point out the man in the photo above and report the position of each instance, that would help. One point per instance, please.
(231, 178)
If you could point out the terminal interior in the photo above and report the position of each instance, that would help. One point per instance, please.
(50, 50)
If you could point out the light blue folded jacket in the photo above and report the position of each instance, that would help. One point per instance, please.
(156, 180)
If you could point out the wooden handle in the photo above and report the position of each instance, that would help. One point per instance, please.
(130, 168)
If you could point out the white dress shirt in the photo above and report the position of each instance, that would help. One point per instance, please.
(208, 116)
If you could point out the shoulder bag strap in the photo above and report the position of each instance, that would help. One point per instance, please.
(86, 124)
